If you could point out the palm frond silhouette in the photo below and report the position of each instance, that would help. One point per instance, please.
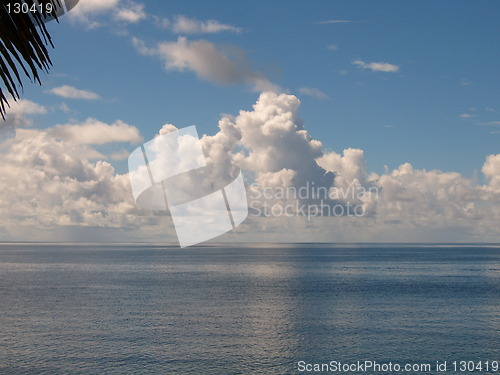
(23, 45)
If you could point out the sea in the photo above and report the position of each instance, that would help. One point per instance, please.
(249, 309)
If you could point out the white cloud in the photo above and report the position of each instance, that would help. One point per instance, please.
(271, 144)
(435, 206)
(91, 13)
(275, 140)
(332, 47)
(315, 93)
(132, 13)
(93, 6)
(185, 25)
(491, 169)
(94, 132)
(50, 190)
(208, 61)
(327, 22)
(351, 167)
(377, 66)
(267, 142)
(46, 183)
(19, 114)
(71, 92)
(86, 11)
(466, 116)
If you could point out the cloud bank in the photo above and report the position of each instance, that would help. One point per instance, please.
(56, 181)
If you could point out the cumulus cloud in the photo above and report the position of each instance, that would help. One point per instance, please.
(425, 196)
(46, 182)
(185, 25)
(207, 60)
(71, 92)
(275, 141)
(377, 66)
(268, 143)
(272, 147)
(314, 92)
(51, 190)
(349, 167)
(491, 169)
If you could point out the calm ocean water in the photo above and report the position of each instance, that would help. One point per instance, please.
(133, 309)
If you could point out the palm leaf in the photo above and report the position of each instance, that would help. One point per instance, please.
(23, 46)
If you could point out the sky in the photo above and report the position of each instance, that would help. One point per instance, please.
(399, 97)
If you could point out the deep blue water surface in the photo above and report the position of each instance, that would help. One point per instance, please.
(134, 309)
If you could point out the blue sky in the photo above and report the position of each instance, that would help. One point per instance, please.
(447, 54)
(412, 86)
